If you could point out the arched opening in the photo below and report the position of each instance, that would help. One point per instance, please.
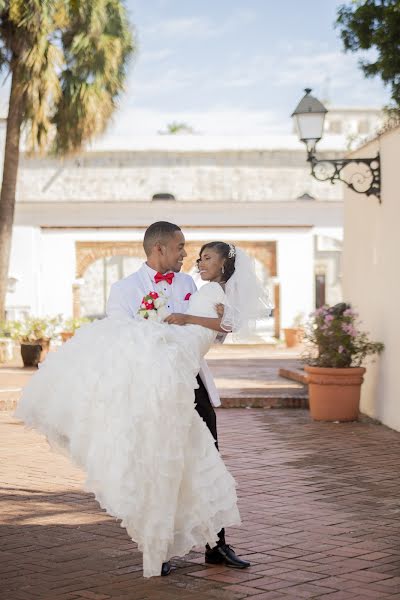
(100, 264)
(98, 279)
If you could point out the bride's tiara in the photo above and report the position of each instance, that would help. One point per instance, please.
(232, 251)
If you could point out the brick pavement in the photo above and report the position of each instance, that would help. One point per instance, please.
(319, 503)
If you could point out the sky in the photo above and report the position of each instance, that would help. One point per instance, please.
(236, 67)
(233, 67)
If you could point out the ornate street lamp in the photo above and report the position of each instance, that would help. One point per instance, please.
(309, 117)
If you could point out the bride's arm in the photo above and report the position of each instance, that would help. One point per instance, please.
(185, 319)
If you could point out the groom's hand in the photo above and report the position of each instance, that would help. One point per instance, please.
(176, 319)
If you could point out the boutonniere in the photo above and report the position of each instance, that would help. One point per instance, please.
(152, 307)
(187, 297)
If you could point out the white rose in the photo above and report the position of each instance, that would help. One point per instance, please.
(158, 302)
(152, 315)
(162, 313)
(143, 305)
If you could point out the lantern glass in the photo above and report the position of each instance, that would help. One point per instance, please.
(309, 117)
(310, 126)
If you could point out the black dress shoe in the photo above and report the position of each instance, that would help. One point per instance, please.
(165, 569)
(225, 555)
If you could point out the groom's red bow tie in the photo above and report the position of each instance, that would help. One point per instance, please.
(168, 277)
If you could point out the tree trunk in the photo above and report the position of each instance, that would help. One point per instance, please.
(8, 188)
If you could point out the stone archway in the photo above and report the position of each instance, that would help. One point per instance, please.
(89, 252)
(265, 252)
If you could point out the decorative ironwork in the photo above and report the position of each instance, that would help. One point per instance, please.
(364, 179)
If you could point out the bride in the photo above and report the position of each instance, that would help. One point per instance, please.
(118, 399)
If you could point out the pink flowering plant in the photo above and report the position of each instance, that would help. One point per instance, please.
(334, 340)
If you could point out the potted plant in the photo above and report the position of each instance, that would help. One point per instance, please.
(294, 334)
(69, 326)
(336, 351)
(35, 334)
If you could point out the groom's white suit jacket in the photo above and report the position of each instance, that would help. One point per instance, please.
(126, 296)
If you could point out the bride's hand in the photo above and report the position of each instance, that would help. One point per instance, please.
(176, 319)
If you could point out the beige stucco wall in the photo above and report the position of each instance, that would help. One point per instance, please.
(371, 276)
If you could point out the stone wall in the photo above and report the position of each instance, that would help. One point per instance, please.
(223, 176)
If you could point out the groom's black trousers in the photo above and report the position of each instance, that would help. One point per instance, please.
(207, 413)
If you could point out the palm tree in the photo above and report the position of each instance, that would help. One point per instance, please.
(67, 63)
(176, 128)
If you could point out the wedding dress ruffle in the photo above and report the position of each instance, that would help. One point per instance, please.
(118, 398)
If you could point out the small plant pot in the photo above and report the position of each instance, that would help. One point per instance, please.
(334, 394)
(33, 353)
(293, 336)
(66, 335)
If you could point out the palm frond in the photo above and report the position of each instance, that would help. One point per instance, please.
(71, 59)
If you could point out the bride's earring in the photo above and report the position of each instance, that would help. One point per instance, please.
(223, 270)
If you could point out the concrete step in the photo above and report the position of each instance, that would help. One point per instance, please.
(284, 401)
(9, 401)
(293, 374)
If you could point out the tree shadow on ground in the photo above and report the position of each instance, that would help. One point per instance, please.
(62, 544)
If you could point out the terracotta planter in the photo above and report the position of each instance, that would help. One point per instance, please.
(293, 336)
(33, 353)
(334, 394)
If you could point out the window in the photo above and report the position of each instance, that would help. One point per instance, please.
(335, 127)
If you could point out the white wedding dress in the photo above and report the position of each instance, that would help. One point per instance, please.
(119, 399)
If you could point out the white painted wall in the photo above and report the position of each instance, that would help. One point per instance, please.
(296, 274)
(26, 267)
(371, 277)
(58, 273)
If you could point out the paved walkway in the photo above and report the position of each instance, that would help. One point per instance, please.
(244, 375)
(319, 502)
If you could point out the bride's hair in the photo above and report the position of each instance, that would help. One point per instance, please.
(226, 251)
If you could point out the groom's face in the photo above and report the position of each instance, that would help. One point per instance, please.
(174, 252)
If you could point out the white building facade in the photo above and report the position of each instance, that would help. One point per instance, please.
(80, 221)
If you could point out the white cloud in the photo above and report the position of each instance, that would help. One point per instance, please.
(315, 67)
(155, 55)
(167, 82)
(199, 26)
(335, 70)
(178, 26)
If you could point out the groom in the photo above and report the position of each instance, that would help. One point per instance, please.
(164, 245)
